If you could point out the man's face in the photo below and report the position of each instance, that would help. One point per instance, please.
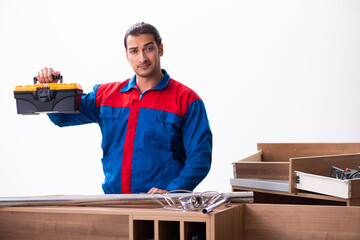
(144, 55)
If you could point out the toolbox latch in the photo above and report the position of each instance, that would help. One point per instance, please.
(44, 94)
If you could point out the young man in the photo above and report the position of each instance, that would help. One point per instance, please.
(156, 134)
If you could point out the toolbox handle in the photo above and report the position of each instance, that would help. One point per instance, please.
(59, 77)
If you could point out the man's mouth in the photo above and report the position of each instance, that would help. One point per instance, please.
(144, 66)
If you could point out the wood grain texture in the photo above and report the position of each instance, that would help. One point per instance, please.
(19, 223)
(316, 158)
(228, 224)
(237, 221)
(355, 188)
(16, 225)
(263, 221)
(281, 152)
(256, 157)
(353, 202)
(264, 170)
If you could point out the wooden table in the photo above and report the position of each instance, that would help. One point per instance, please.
(55, 223)
(117, 216)
(238, 221)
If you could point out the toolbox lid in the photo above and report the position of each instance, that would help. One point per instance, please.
(51, 86)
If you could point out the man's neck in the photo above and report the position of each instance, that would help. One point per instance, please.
(146, 83)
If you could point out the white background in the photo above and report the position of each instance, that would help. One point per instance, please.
(268, 71)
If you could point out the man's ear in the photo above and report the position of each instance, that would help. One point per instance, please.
(161, 50)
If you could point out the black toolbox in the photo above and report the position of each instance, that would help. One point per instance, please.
(48, 98)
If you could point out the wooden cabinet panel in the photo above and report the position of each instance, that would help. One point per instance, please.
(266, 221)
(16, 225)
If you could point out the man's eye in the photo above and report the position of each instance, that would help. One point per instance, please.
(133, 51)
(149, 49)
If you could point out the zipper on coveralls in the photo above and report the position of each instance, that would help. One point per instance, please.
(141, 95)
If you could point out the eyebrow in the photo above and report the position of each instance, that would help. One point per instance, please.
(146, 44)
(149, 43)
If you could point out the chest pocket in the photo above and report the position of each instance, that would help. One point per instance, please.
(113, 123)
(109, 112)
(167, 129)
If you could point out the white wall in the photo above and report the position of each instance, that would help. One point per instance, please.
(268, 71)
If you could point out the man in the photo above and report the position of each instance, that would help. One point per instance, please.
(156, 134)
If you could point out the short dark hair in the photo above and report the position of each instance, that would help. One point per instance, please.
(143, 28)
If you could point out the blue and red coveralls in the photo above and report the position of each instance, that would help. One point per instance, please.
(159, 139)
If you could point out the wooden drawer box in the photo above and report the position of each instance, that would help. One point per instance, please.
(273, 168)
(326, 185)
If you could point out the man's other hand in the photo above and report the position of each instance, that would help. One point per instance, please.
(45, 75)
(157, 190)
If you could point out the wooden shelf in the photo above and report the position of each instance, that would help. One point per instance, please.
(237, 222)
(121, 223)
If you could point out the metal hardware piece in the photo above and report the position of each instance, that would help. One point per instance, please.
(204, 201)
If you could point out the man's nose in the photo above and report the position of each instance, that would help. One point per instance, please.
(142, 56)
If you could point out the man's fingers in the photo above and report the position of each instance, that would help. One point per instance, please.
(38, 76)
(154, 189)
(45, 75)
(41, 76)
(48, 74)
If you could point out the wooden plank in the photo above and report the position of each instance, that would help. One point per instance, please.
(228, 224)
(78, 223)
(208, 229)
(355, 188)
(281, 152)
(182, 230)
(273, 195)
(158, 234)
(253, 158)
(17, 225)
(263, 221)
(256, 157)
(353, 202)
(265, 170)
(320, 165)
(131, 227)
